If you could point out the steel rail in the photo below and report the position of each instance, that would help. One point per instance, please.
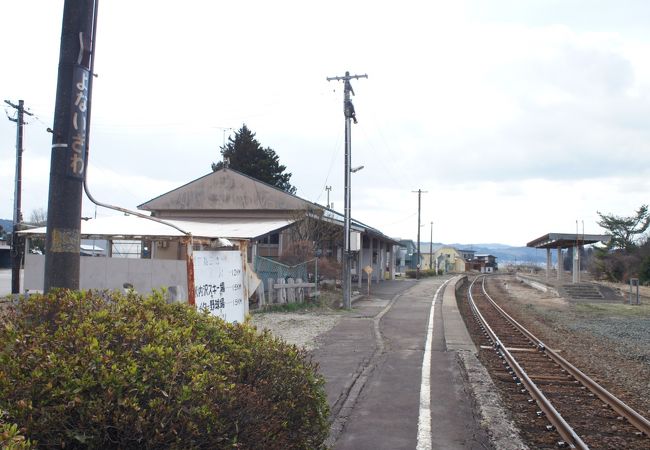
(563, 428)
(637, 420)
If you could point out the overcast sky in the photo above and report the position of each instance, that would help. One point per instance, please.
(517, 118)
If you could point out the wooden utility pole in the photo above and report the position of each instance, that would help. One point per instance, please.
(417, 267)
(69, 145)
(17, 248)
(349, 113)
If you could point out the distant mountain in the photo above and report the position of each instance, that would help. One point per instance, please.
(505, 254)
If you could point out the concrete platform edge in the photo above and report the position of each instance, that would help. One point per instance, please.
(456, 335)
(502, 432)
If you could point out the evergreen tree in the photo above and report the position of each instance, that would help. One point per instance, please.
(246, 155)
(624, 230)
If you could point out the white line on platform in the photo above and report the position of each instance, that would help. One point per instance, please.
(424, 419)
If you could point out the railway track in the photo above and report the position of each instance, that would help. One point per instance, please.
(566, 407)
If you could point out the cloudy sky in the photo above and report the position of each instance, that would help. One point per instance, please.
(517, 118)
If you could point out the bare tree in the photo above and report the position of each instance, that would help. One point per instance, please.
(311, 225)
(38, 217)
(311, 235)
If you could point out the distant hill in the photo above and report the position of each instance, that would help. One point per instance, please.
(512, 255)
(7, 225)
(505, 254)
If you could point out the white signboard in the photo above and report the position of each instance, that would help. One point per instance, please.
(218, 284)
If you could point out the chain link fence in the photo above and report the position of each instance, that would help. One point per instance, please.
(267, 269)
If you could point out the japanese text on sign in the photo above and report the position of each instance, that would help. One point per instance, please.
(218, 281)
(79, 117)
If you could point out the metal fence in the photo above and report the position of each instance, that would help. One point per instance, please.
(286, 284)
(266, 269)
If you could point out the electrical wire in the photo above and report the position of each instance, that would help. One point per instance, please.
(336, 152)
(377, 152)
(85, 181)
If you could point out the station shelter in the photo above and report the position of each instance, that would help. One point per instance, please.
(560, 241)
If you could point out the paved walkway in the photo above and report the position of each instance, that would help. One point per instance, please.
(372, 362)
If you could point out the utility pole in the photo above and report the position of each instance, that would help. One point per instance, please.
(224, 129)
(69, 145)
(417, 268)
(226, 161)
(17, 248)
(328, 189)
(348, 112)
(431, 248)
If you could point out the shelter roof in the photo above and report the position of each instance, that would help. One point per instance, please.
(566, 240)
(134, 227)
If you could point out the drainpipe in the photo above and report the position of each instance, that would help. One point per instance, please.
(189, 260)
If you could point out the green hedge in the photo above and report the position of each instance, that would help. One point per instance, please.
(410, 273)
(11, 439)
(107, 370)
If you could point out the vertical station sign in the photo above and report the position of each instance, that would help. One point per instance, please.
(218, 284)
(79, 122)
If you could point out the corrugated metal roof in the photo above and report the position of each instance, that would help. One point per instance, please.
(134, 227)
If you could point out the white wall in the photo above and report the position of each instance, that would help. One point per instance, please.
(112, 273)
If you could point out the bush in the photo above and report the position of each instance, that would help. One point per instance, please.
(411, 273)
(329, 269)
(107, 370)
(11, 439)
(644, 271)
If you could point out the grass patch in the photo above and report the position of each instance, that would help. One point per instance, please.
(327, 300)
(288, 307)
(613, 309)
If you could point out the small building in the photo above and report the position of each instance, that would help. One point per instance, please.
(484, 263)
(468, 255)
(448, 259)
(124, 260)
(406, 255)
(264, 223)
(227, 195)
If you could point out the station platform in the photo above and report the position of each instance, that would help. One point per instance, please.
(372, 361)
(584, 291)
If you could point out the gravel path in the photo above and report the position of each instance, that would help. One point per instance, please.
(301, 329)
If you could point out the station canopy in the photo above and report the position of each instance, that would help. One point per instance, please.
(567, 240)
(134, 227)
